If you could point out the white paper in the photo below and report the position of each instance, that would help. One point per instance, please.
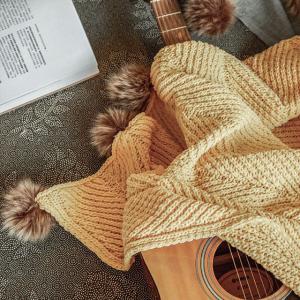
(43, 48)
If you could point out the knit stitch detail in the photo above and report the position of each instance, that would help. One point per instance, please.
(237, 179)
(215, 155)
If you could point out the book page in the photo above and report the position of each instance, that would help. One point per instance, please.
(42, 44)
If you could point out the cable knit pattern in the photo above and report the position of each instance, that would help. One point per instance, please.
(213, 156)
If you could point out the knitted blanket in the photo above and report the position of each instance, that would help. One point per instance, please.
(215, 154)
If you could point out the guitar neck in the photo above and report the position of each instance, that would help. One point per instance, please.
(170, 21)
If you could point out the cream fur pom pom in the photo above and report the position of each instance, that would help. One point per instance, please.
(130, 87)
(22, 216)
(106, 127)
(212, 17)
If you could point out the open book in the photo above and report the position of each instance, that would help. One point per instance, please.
(43, 48)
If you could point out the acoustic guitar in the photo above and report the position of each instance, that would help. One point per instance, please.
(210, 268)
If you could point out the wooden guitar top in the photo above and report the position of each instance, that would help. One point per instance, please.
(174, 272)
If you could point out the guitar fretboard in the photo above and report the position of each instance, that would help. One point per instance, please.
(170, 21)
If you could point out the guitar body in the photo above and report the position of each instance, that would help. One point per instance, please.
(173, 271)
(209, 268)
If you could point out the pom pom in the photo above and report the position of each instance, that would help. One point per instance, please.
(22, 216)
(293, 7)
(130, 88)
(212, 17)
(107, 126)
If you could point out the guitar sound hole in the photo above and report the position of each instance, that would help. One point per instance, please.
(241, 276)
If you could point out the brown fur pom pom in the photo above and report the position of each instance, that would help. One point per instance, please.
(107, 126)
(22, 216)
(130, 88)
(293, 7)
(212, 17)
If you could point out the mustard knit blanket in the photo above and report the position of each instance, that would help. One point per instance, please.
(215, 154)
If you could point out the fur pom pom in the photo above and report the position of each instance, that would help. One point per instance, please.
(107, 126)
(22, 216)
(130, 88)
(293, 7)
(212, 17)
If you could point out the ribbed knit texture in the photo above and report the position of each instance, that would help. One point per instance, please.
(214, 155)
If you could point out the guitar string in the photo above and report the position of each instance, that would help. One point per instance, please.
(270, 283)
(254, 280)
(156, 12)
(181, 25)
(261, 279)
(276, 283)
(167, 21)
(156, 4)
(171, 23)
(241, 262)
(237, 273)
(157, 7)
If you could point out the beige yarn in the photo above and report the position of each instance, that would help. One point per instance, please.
(214, 155)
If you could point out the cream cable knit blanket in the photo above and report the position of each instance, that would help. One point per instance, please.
(214, 155)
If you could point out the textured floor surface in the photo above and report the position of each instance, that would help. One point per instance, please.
(49, 142)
